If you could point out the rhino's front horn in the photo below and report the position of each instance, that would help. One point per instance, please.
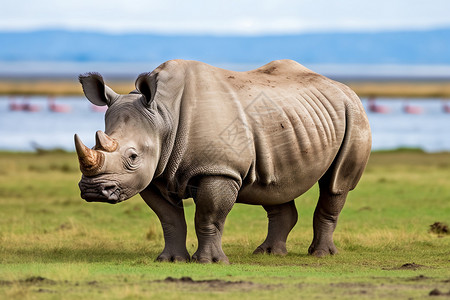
(91, 161)
(104, 142)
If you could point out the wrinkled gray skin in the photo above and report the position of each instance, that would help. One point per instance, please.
(259, 137)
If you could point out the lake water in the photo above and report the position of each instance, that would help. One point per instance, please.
(23, 131)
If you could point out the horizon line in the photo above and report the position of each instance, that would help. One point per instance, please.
(231, 33)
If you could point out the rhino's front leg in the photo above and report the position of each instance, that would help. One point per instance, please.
(215, 197)
(173, 224)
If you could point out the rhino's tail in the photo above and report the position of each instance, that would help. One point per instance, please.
(350, 162)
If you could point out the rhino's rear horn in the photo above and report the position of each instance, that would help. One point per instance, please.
(91, 161)
(104, 142)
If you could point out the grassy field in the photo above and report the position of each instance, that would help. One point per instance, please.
(391, 89)
(53, 245)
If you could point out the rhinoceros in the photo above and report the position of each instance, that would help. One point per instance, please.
(261, 137)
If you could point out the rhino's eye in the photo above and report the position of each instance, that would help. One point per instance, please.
(131, 159)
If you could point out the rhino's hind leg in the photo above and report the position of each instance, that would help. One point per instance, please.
(173, 224)
(282, 219)
(325, 219)
(342, 177)
(215, 197)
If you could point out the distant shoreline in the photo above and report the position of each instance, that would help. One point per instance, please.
(373, 88)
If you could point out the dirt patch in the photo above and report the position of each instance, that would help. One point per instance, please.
(365, 208)
(439, 228)
(33, 280)
(45, 291)
(354, 288)
(37, 280)
(419, 278)
(215, 284)
(65, 226)
(5, 282)
(407, 266)
(437, 292)
(411, 266)
(351, 285)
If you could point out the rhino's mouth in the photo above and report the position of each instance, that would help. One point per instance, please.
(100, 191)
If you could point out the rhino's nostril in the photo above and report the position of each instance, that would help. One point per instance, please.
(110, 187)
(110, 191)
(104, 191)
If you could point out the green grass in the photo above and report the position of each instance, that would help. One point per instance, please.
(53, 245)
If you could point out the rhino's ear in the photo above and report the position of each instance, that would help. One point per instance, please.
(146, 85)
(95, 89)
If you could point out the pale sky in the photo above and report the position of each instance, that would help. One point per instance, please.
(224, 17)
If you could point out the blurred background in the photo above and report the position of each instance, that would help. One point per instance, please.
(394, 54)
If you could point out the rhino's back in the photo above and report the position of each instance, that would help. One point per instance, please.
(298, 126)
(275, 129)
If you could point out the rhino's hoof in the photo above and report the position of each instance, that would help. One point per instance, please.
(321, 252)
(275, 250)
(207, 260)
(173, 258)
